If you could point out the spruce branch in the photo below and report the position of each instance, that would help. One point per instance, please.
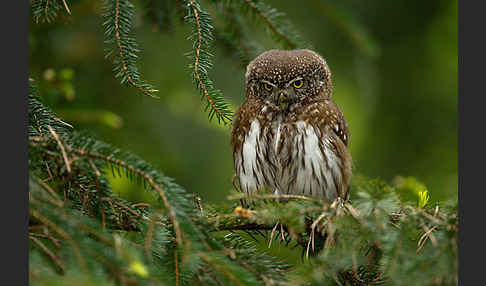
(123, 47)
(90, 215)
(265, 267)
(275, 23)
(272, 196)
(100, 249)
(114, 161)
(150, 180)
(269, 16)
(53, 197)
(232, 34)
(219, 268)
(49, 253)
(372, 240)
(202, 34)
(233, 273)
(264, 278)
(46, 10)
(61, 147)
(35, 214)
(121, 215)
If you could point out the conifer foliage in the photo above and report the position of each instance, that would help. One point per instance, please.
(80, 228)
(47, 10)
(82, 233)
(121, 46)
(202, 36)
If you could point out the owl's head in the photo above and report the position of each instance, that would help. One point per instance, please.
(282, 78)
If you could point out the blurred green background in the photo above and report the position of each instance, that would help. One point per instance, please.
(394, 66)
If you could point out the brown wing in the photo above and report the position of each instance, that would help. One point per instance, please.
(250, 161)
(338, 123)
(241, 124)
(326, 113)
(326, 116)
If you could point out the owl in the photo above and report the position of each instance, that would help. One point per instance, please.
(288, 136)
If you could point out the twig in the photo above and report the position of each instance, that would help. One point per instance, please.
(51, 177)
(122, 56)
(49, 253)
(122, 205)
(147, 177)
(97, 172)
(46, 187)
(176, 265)
(423, 238)
(271, 235)
(199, 204)
(431, 218)
(282, 196)
(196, 62)
(141, 205)
(66, 6)
(63, 234)
(46, 9)
(265, 279)
(245, 226)
(63, 151)
(148, 238)
(56, 241)
(219, 268)
(354, 212)
(311, 237)
(94, 232)
(282, 234)
(436, 210)
(62, 122)
(103, 217)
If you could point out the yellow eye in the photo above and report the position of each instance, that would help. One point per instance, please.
(298, 83)
(267, 86)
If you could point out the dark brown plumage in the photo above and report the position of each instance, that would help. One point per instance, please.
(288, 135)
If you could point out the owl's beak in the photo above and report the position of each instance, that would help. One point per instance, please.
(283, 99)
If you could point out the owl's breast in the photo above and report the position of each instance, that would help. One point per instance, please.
(289, 158)
(305, 160)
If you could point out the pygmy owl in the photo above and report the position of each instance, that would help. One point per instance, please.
(289, 136)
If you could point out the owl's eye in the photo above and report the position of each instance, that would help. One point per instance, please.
(267, 86)
(298, 83)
